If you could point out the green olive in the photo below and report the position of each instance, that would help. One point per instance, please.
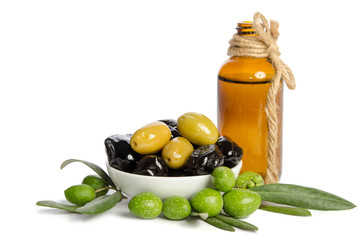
(176, 152)
(80, 194)
(151, 138)
(96, 183)
(240, 203)
(145, 205)
(197, 128)
(208, 201)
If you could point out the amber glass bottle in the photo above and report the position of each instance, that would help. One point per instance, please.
(243, 85)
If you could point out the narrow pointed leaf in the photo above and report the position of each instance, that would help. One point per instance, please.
(219, 224)
(237, 222)
(94, 167)
(61, 206)
(101, 204)
(286, 210)
(303, 197)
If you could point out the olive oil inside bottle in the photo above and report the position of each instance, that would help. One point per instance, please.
(243, 85)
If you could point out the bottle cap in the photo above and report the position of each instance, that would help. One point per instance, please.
(246, 28)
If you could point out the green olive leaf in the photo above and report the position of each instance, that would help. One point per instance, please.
(52, 204)
(286, 210)
(303, 197)
(236, 222)
(94, 167)
(100, 204)
(219, 224)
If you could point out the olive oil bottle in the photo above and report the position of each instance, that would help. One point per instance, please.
(243, 85)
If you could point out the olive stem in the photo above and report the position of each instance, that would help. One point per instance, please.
(105, 188)
(203, 216)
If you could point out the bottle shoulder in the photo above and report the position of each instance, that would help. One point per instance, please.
(247, 69)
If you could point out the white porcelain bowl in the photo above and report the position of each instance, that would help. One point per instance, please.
(186, 186)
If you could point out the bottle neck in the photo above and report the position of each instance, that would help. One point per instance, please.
(246, 28)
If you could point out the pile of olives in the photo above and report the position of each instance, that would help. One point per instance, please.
(187, 147)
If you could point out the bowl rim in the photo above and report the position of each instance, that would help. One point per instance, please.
(163, 177)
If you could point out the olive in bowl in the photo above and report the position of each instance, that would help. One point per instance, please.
(176, 152)
(151, 138)
(204, 160)
(151, 165)
(120, 154)
(232, 151)
(172, 125)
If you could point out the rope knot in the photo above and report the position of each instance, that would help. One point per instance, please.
(273, 49)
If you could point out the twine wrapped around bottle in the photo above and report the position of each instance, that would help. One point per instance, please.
(260, 46)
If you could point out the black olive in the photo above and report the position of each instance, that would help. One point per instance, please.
(151, 165)
(204, 159)
(172, 125)
(232, 151)
(120, 154)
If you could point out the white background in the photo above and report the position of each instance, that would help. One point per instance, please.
(74, 72)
